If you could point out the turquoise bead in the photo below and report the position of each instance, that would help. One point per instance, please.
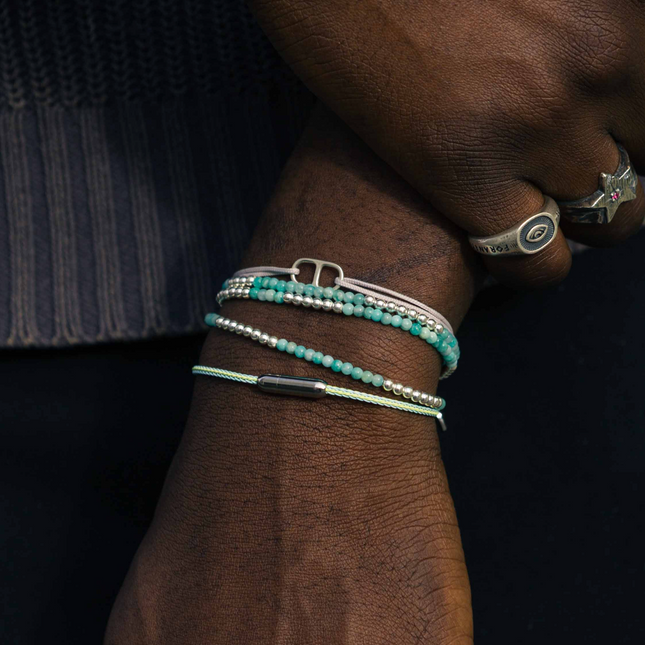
(444, 333)
(432, 338)
(291, 286)
(210, 319)
(318, 358)
(377, 314)
(425, 333)
(377, 380)
(328, 292)
(253, 294)
(282, 345)
(406, 324)
(348, 309)
(300, 288)
(339, 295)
(281, 286)
(300, 351)
(309, 290)
(309, 354)
(318, 292)
(291, 347)
(270, 295)
(327, 360)
(347, 368)
(358, 310)
(452, 342)
(336, 366)
(443, 347)
(450, 358)
(257, 283)
(265, 282)
(396, 321)
(279, 297)
(367, 376)
(224, 284)
(357, 372)
(359, 299)
(367, 314)
(415, 330)
(262, 295)
(273, 283)
(386, 319)
(349, 296)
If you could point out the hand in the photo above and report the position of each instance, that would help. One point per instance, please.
(483, 106)
(326, 522)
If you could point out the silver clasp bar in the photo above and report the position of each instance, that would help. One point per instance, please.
(312, 388)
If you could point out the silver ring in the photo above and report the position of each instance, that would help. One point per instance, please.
(527, 237)
(600, 207)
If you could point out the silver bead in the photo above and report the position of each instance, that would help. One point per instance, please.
(430, 324)
(245, 292)
(273, 341)
(225, 323)
(422, 319)
(407, 392)
(424, 399)
(397, 388)
(415, 396)
(436, 402)
(438, 328)
(316, 303)
(288, 296)
(238, 292)
(391, 307)
(297, 299)
(307, 301)
(247, 330)
(327, 305)
(232, 325)
(401, 310)
(264, 338)
(369, 301)
(218, 322)
(380, 304)
(412, 314)
(338, 307)
(388, 385)
(239, 328)
(255, 334)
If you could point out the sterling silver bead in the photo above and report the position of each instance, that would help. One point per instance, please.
(307, 301)
(431, 324)
(338, 307)
(438, 328)
(380, 304)
(245, 292)
(247, 330)
(436, 402)
(369, 301)
(255, 334)
(264, 338)
(317, 303)
(424, 399)
(388, 385)
(412, 314)
(407, 392)
(288, 297)
(232, 325)
(401, 310)
(422, 319)
(238, 292)
(416, 394)
(327, 305)
(391, 307)
(239, 328)
(225, 323)
(297, 299)
(273, 341)
(397, 388)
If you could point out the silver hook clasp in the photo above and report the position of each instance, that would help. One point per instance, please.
(320, 265)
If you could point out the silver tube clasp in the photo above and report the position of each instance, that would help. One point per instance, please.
(311, 388)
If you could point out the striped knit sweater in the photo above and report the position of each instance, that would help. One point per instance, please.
(139, 141)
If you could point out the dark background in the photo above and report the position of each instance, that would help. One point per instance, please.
(545, 453)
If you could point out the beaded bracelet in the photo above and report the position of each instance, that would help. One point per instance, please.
(315, 388)
(318, 358)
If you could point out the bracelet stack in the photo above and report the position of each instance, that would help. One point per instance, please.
(358, 299)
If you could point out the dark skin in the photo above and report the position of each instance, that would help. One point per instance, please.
(483, 106)
(319, 522)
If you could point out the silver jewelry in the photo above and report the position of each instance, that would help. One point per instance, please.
(600, 207)
(527, 237)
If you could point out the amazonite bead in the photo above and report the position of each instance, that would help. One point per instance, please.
(281, 286)
(327, 360)
(386, 319)
(432, 338)
(265, 282)
(328, 292)
(443, 347)
(273, 283)
(270, 295)
(347, 368)
(309, 355)
(210, 319)
(348, 309)
(279, 297)
(450, 358)
(317, 358)
(337, 366)
(415, 330)
(425, 333)
(367, 376)
(300, 288)
(452, 342)
(291, 286)
(359, 299)
(225, 284)
(377, 380)
(262, 295)
(367, 314)
(291, 347)
(300, 351)
(358, 310)
(349, 296)
(406, 324)
(444, 333)
(309, 290)
(396, 321)
(339, 295)
(253, 293)
(377, 314)
(257, 283)
(357, 372)
(318, 292)
(282, 345)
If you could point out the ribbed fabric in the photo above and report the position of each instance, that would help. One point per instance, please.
(139, 142)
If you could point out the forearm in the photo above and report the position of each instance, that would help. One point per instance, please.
(324, 520)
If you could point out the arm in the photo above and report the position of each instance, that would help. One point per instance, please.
(285, 520)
